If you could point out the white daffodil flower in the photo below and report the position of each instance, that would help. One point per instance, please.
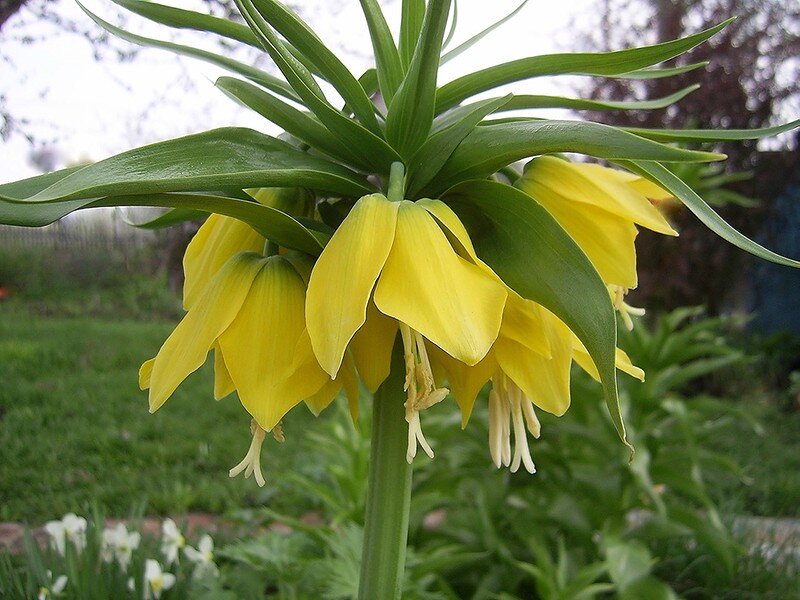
(172, 541)
(202, 557)
(119, 543)
(71, 527)
(156, 581)
(53, 588)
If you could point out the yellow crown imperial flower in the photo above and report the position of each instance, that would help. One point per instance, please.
(599, 208)
(396, 255)
(250, 293)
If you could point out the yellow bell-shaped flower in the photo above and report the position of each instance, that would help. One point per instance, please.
(599, 208)
(252, 314)
(529, 364)
(390, 266)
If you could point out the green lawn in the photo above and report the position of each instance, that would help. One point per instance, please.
(75, 429)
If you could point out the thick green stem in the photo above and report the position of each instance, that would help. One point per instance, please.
(389, 496)
(397, 182)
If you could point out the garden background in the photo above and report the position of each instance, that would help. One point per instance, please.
(708, 508)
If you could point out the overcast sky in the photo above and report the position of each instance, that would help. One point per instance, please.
(88, 109)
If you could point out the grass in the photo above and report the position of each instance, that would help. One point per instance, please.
(75, 429)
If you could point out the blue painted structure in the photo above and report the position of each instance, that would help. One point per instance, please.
(776, 289)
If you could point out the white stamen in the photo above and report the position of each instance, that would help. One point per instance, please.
(521, 450)
(419, 386)
(508, 406)
(251, 463)
(624, 309)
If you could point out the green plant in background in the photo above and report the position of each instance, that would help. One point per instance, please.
(414, 220)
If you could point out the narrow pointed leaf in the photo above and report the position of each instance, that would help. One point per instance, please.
(451, 31)
(533, 255)
(180, 18)
(25, 188)
(369, 81)
(295, 122)
(523, 102)
(332, 69)
(491, 147)
(582, 63)
(712, 135)
(411, 112)
(463, 47)
(255, 75)
(230, 157)
(662, 72)
(433, 154)
(377, 154)
(172, 217)
(413, 14)
(387, 59)
(666, 179)
(273, 224)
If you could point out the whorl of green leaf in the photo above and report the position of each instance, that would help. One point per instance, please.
(411, 112)
(584, 63)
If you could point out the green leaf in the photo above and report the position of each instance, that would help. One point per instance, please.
(433, 154)
(413, 14)
(582, 63)
(273, 224)
(660, 73)
(411, 112)
(523, 102)
(491, 147)
(330, 67)
(387, 59)
(255, 75)
(180, 18)
(369, 81)
(33, 185)
(669, 181)
(374, 153)
(451, 31)
(295, 122)
(172, 217)
(712, 135)
(464, 46)
(532, 254)
(231, 157)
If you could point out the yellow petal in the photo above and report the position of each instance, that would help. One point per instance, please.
(608, 240)
(523, 323)
(262, 337)
(623, 362)
(594, 185)
(288, 200)
(521, 318)
(453, 227)
(425, 284)
(218, 239)
(145, 372)
(320, 401)
(465, 382)
(342, 280)
(640, 184)
(223, 384)
(372, 347)
(187, 347)
(545, 381)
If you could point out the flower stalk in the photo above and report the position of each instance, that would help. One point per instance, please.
(389, 494)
